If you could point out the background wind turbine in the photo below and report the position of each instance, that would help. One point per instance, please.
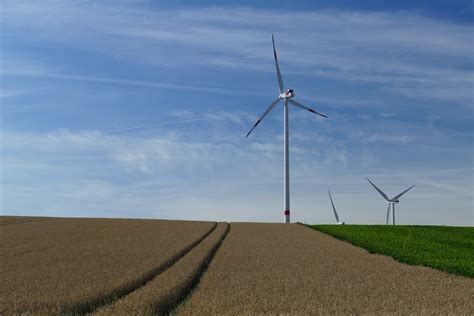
(391, 202)
(286, 95)
(334, 209)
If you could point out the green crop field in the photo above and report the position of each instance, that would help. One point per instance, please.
(450, 249)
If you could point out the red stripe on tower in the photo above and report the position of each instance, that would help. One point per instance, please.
(286, 212)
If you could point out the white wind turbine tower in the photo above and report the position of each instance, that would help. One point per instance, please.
(334, 210)
(286, 95)
(391, 202)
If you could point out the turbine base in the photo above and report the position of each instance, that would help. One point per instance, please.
(287, 216)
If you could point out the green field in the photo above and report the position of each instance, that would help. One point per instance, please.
(450, 249)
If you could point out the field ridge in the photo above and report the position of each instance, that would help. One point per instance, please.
(91, 306)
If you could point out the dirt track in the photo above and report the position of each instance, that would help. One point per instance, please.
(278, 268)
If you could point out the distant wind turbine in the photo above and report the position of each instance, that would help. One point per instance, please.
(286, 95)
(334, 209)
(391, 202)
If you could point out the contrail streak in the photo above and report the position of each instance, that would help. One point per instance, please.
(214, 117)
(115, 81)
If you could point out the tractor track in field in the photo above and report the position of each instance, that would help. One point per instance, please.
(90, 307)
(165, 293)
(195, 282)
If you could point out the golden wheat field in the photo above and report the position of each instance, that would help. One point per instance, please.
(60, 265)
(149, 267)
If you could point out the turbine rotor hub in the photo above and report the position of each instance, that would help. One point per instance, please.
(288, 94)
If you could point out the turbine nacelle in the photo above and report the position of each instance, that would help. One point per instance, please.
(288, 94)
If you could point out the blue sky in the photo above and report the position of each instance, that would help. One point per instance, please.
(140, 109)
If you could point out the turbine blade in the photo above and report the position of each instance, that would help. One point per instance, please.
(380, 191)
(305, 108)
(270, 107)
(280, 79)
(400, 195)
(333, 207)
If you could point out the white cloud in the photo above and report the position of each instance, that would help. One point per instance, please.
(97, 174)
(387, 138)
(404, 53)
(4, 93)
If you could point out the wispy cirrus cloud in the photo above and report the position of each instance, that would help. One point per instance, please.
(401, 52)
(5, 93)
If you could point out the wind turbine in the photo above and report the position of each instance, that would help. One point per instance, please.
(334, 209)
(391, 202)
(287, 96)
